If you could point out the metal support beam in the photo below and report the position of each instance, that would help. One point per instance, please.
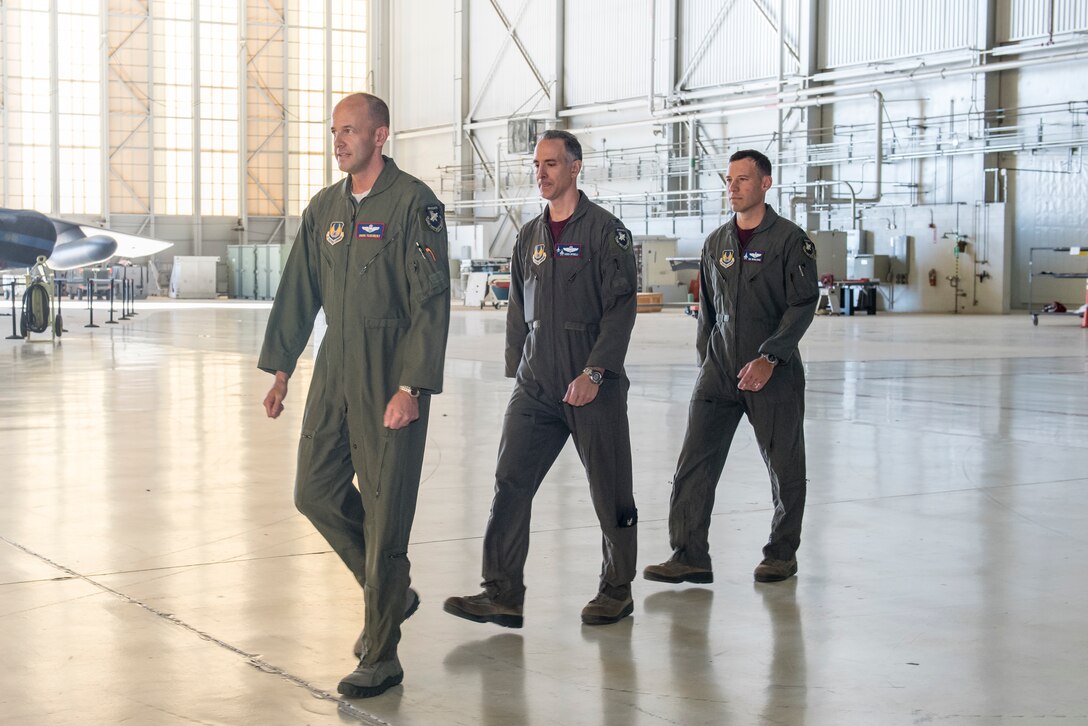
(777, 26)
(512, 30)
(197, 221)
(150, 22)
(104, 108)
(285, 118)
(243, 114)
(511, 215)
(704, 44)
(461, 39)
(327, 91)
(4, 120)
(54, 110)
(495, 63)
(559, 93)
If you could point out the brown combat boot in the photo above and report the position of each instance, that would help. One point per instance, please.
(775, 570)
(482, 609)
(605, 610)
(675, 572)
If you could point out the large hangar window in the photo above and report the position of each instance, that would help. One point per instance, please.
(132, 107)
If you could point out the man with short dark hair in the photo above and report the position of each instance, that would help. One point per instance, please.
(371, 251)
(572, 308)
(758, 294)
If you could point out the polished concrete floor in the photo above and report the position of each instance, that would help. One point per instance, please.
(153, 569)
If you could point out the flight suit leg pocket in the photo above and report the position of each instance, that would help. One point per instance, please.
(386, 464)
(304, 473)
(580, 338)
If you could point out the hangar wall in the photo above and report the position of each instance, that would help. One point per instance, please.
(948, 121)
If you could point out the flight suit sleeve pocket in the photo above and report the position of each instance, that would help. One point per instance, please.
(429, 281)
(619, 285)
(804, 287)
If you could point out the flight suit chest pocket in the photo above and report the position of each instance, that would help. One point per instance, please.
(370, 252)
(569, 269)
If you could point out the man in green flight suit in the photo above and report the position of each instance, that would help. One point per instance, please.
(372, 253)
(572, 308)
(757, 296)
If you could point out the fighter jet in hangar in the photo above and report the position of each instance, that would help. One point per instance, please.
(26, 235)
(40, 245)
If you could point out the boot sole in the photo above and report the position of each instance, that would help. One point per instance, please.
(352, 691)
(699, 578)
(604, 620)
(774, 578)
(506, 621)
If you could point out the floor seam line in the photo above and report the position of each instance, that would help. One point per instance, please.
(253, 660)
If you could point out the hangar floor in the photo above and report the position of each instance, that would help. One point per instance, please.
(153, 569)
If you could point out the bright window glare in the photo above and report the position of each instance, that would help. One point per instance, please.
(119, 103)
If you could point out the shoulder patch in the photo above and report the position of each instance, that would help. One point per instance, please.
(809, 247)
(623, 238)
(434, 218)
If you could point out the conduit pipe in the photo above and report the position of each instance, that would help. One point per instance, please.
(805, 199)
(813, 96)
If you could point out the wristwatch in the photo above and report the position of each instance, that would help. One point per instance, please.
(595, 376)
(411, 391)
(770, 358)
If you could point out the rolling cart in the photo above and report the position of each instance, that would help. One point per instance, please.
(1032, 274)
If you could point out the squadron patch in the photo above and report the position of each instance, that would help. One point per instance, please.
(753, 256)
(727, 259)
(623, 238)
(335, 233)
(432, 216)
(809, 248)
(369, 230)
(568, 251)
(539, 255)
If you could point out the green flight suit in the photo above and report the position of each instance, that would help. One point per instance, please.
(379, 270)
(572, 305)
(753, 301)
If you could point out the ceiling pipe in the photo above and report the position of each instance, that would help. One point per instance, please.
(813, 96)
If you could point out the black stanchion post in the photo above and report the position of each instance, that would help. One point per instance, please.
(60, 285)
(132, 294)
(90, 299)
(14, 332)
(124, 294)
(113, 284)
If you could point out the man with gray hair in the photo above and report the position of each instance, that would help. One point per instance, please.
(572, 308)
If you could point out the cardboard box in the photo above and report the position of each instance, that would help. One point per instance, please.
(650, 302)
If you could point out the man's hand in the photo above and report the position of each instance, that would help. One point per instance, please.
(754, 376)
(273, 402)
(402, 410)
(581, 391)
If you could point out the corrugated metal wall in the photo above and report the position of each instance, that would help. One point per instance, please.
(513, 87)
(424, 90)
(607, 50)
(741, 45)
(1026, 19)
(863, 31)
